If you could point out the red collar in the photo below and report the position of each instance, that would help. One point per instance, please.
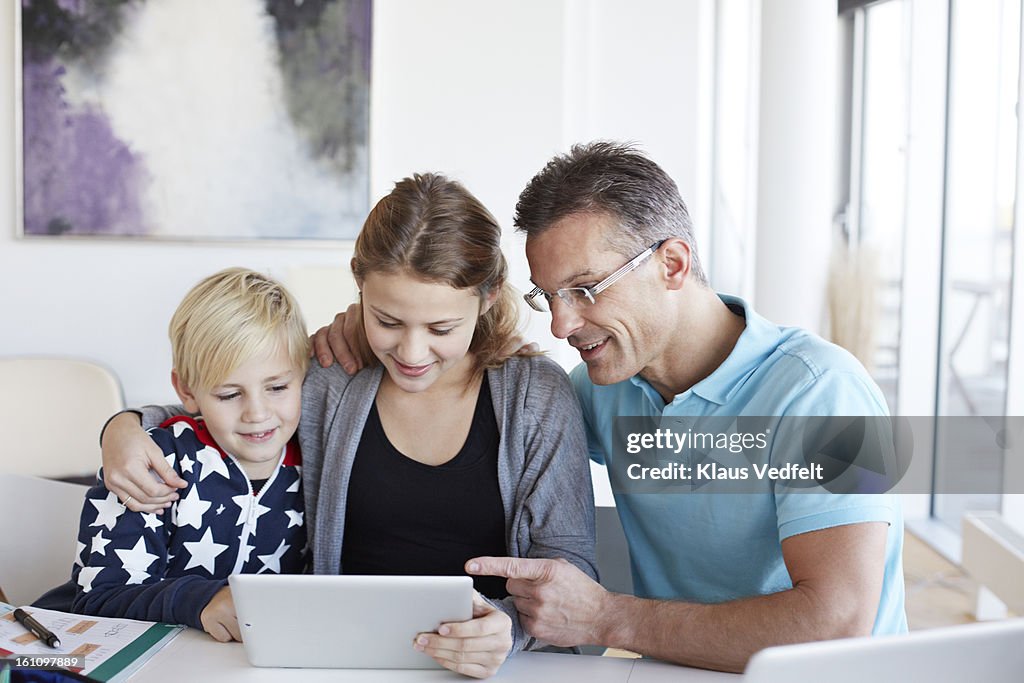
(292, 454)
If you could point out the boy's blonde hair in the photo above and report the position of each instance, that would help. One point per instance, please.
(230, 317)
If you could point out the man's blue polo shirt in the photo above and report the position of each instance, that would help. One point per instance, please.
(712, 548)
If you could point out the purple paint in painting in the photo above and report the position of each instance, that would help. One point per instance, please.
(79, 178)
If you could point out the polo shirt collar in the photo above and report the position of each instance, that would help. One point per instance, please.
(758, 340)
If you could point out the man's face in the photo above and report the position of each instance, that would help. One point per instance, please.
(618, 335)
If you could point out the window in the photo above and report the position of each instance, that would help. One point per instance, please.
(929, 197)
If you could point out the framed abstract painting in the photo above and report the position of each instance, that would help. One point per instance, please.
(194, 120)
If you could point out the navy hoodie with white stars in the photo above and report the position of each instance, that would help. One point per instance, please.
(167, 567)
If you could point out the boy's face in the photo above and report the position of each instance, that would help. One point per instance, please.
(254, 412)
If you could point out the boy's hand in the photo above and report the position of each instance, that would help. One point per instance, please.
(134, 468)
(219, 618)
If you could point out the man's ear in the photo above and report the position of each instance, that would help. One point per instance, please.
(188, 399)
(676, 261)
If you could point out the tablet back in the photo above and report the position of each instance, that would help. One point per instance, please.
(358, 622)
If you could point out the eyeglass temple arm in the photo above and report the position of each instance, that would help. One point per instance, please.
(626, 269)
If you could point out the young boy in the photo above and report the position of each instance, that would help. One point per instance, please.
(240, 354)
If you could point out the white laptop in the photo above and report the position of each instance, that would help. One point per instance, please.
(345, 622)
(992, 652)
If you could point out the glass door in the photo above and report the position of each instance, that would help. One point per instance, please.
(977, 258)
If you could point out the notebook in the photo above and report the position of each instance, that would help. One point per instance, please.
(103, 648)
(342, 622)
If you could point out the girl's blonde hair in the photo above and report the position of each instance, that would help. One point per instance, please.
(434, 229)
(229, 318)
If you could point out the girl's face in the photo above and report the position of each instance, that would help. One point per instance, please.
(420, 331)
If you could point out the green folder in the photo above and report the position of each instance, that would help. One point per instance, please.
(131, 658)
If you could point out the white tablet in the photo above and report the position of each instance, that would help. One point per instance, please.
(345, 622)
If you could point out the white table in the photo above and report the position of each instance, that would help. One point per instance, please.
(193, 655)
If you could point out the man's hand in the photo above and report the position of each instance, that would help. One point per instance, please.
(134, 468)
(837, 576)
(556, 601)
(518, 346)
(338, 341)
(219, 618)
(477, 647)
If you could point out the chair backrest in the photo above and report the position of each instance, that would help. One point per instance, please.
(612, 559)
(612, 551)
(51, 411)
(38, 534)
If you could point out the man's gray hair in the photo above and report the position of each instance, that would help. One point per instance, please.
(614, 179)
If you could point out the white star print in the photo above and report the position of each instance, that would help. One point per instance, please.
(152, 520)
(249, 508)
(191, 509)
(186, 464)
(242, 502)
(180, 428)
(99, 544)
(107, 511)
(136, 561)
(86, 576)
(204, 552)
(170, 457)
(295, 485)
(136, 576)
(220, 508)
(212, 462)
(272, 563)
(244, 550)
(294, 518)
(79, 547)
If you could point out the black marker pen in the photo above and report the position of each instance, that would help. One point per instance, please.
(38, 630)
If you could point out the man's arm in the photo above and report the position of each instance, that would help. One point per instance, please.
(837, 582)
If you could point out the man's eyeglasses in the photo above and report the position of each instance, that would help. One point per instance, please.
(578, 297)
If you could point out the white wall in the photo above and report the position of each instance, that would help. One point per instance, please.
(484, 90)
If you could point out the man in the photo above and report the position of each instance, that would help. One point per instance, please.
(717, 577)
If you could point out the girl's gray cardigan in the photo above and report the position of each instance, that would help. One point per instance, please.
(543, 467)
